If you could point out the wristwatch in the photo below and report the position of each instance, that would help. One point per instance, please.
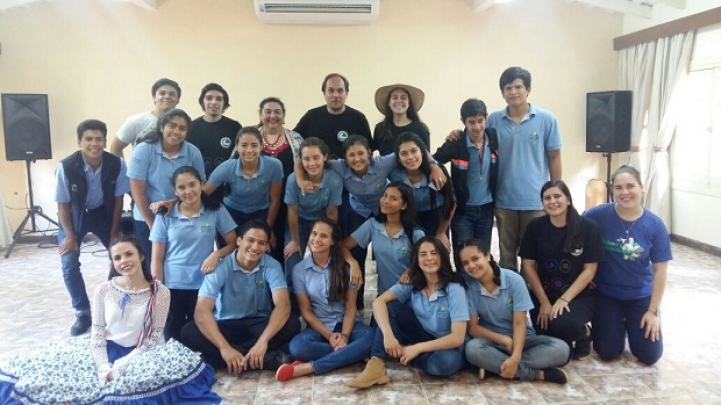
(656, 312)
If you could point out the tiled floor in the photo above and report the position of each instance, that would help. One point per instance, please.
(36, 310)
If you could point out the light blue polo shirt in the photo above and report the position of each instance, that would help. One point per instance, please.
(421, 190)
(242, 294)
(437, 312)
(150, 164)
(478, 191)
(495, 310)
(393, 253)
(523, 148)
(314, 281)
(248, 194)
(188, 242)
(312, 205)
(94, 199)
(365, 192)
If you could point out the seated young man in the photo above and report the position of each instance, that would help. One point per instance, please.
(242, 317)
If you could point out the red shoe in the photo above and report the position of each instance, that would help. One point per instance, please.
(285, 371)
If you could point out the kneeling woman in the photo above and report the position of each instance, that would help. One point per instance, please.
(124, 360)
(423, 323)
(336, 336)
(504, 341)
(560, 252)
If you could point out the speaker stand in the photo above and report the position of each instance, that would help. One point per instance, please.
(609, 186)
(33, 211)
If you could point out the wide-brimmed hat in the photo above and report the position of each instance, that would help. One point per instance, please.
(415, 94)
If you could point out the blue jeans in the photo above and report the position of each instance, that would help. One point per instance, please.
(96, 222)
(309, 345)
(408, 330)
(539, 352)
(475, 223)
(614, 319)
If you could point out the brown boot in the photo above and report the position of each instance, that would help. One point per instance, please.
(374, 373)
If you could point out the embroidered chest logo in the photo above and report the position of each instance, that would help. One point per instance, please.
(533, 136)
(225, 142)
(74, 188)
(205, 227)
(509, 302)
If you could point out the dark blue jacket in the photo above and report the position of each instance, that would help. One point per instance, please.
(456, 152)
(74, 168)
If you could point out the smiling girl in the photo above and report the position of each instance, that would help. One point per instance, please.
(422, 324)
(560, 252)
(255, 181)
(183, 243)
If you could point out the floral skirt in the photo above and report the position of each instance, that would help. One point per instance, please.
(64, 373)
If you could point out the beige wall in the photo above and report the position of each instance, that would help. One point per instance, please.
(98, 58)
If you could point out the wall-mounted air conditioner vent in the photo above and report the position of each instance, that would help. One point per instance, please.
(316, 11)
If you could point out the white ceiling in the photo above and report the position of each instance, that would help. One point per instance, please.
(641, 8)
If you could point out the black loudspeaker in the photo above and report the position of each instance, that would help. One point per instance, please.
(27, 126)
(608, 121)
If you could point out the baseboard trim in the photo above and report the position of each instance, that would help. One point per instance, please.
(704, 247)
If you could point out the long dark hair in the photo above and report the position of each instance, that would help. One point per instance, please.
(449, 195)
(574, 238)
(144, 263)
(411, 113)
(478, 244)
(155, 135)
(338, 279)
(408, 215)
(445, 272)
(207, 202)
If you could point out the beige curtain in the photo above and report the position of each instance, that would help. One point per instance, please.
(655, 71)
(6, 236)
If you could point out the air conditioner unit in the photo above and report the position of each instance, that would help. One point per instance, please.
(316, 11)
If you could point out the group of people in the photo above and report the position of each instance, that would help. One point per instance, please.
(233, 245)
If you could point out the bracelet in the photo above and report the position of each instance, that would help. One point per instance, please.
(347, 338)
(564, 300)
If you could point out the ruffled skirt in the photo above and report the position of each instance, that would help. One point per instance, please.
(64, 373)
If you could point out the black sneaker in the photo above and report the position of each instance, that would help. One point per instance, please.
(81, 325)
(555, 375)
(582, 349)
(274, 359)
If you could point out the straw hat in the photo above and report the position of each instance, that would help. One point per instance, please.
(382, 93)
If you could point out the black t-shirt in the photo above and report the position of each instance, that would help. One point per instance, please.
(384, 140)
(543, 242)
(214, 139)
(333, 129)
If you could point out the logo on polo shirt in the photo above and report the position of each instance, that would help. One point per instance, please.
(533, 136)
(225, 142)
(205, 227)
(342, 136)
(74, 188)
(509, 302)
(442, 312)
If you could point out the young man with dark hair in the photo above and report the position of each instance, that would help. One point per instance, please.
(166, 95)
(90, 187)
(214, 133)
(242, 318)
(334, 121)
(530, 147)
(474, 173)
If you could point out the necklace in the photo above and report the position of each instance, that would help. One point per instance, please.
(268, 144)
(629, 228)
